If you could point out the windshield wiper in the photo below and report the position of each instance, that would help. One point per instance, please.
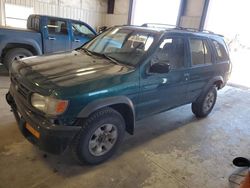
(111, 59)
(87, 51)
(101, 55)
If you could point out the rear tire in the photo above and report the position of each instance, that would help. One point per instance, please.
(205, 103)
(15, 54)
(100, 136)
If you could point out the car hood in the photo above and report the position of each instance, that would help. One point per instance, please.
(67, 69)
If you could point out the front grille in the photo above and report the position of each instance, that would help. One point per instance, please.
(20, 88)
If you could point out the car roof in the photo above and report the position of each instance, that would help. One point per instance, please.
(56, 17)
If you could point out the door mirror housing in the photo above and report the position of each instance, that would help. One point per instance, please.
(160, 67)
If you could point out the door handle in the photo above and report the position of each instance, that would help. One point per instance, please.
(164, 80)
(52, 38)
(77, 40)
(186, 75)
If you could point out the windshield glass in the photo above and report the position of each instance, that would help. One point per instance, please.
(124, 45)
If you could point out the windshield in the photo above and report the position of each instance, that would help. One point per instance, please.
(123, 45)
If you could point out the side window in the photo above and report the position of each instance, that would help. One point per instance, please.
(208, 54)
(57, 27)
(171, 51)
(220, 51)
(81, 30)
(33, 23)
(200, 52)
(36, 23)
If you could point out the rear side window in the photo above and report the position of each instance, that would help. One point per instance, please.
(57, 27)
(36, 23)
(33, 23)
(221, 53)
(200, 52)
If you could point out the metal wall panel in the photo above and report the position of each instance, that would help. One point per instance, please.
(95, 15)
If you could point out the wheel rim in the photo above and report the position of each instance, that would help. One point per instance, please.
(19, 56)
(209, 101)
(103, 139)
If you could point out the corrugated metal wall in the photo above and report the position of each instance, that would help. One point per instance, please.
(90, 11)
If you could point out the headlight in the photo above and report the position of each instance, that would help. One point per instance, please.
(48, 105)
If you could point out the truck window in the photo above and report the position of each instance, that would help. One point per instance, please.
(33, 23)
(36, 23)
(200, 51)
(220, 52)
(57, 27)
(79, 29)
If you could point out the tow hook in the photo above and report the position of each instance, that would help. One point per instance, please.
(10, 99)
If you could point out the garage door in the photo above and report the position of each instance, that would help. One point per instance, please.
(157, 11)
(230, 19)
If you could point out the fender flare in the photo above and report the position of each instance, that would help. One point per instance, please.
(109, 101)
(212, 81)
(29, 42)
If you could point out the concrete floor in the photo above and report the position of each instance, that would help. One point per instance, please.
(172, 149)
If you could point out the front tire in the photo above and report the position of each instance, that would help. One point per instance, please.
(101, 135)
(15, 54)
(205, 103)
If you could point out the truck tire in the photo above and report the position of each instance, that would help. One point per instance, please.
(205, 103)
(100, 136)
(15, 54)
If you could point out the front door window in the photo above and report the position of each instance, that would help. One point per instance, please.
(57, 27)
(171, 51)
(81, 30)
(57, 38)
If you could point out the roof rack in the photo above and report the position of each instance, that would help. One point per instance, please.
(207, 31)
(159, 25)
(169, 26)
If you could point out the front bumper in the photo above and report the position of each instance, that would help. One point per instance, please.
(52, 138)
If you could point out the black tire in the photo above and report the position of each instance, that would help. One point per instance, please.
(81, 144)
(205, 103)
(15, 54)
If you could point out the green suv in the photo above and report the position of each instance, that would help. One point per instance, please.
(88, 98)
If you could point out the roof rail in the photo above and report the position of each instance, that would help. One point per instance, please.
(207, 31)
(159, 25)
(169, 26)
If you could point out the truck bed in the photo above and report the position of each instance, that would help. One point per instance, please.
(17, 29)
(11, 35)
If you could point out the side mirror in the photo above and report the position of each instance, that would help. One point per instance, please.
(160, 68)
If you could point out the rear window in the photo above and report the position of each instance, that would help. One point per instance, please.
(221, 53)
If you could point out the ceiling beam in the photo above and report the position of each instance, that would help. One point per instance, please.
(111, 6)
